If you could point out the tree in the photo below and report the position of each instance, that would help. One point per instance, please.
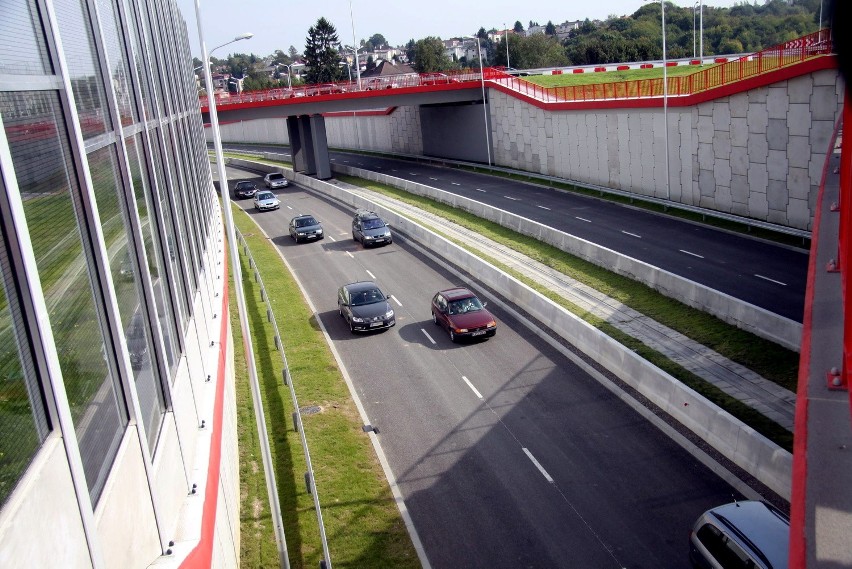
(321, 57)
(550, 29)
(518, 28)
(294, 53)
(482, 34)
(378, 40)
(429, 55)
(371, 64)
(410, 50)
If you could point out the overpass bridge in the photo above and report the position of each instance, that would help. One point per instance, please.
(756, 137)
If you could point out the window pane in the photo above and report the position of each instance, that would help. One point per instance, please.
(128, 288)
(22, 49)
(23, 423)
(78, 44)
(151, 232)
(115, 54)
(50, 194)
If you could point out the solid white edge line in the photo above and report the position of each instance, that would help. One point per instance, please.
(469, 384)
(687, 445)
(539, 466)
(425, 333)
(372, 276)
(374, 439)
(770, 280)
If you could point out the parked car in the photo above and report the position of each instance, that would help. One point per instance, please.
(245, 189)
(275, 180)
(265, 200)
(748, 534)
(305, 228)
(462, 314)
(364, 307)
(370, 229)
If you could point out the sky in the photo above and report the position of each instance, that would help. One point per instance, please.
(280, 24)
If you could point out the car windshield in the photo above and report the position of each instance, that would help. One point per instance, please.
(374, 223)
(471, 304)
(306, 222)
(276, 176)
(265, 196)
(245, 185)
(362, 297)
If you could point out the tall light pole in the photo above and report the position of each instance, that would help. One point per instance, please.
(289, 74)
(665, 101)
(694, 6)
(701, 30)
(355, 47)
(506, 35)
(269, 473)
(484, 107)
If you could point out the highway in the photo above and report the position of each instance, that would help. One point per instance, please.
(507, 454)
(764, 274)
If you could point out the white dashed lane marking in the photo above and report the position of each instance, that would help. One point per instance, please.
(770, 280)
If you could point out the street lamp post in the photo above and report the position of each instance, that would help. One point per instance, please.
(484, 108)
(355, 47)
(289, 73)
(269, 472)
(694, 6)
(506, 35)
(701, 30)
(665, 101)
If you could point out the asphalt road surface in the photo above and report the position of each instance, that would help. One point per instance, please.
(764, 274)
(507, 454)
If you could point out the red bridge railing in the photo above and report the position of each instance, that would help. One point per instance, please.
(720, 74)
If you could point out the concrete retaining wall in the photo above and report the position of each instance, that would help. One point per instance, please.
(757, 154)
(738, 442)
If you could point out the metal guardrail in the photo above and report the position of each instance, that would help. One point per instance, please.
(297, 415)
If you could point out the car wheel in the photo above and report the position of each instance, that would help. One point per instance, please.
(452, 336)
(434, 319)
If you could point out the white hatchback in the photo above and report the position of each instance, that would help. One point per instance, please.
(275, 180)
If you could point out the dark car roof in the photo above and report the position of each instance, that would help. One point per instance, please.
(456, 293)
(365, 214)
(245, 183)
(360, 286)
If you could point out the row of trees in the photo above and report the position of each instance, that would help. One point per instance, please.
(742, 28)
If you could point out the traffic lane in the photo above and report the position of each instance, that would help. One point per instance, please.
(760, 273)
(461, 469)
(770, 276)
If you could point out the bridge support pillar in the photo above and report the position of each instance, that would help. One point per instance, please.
(309, 145)
(322, 164)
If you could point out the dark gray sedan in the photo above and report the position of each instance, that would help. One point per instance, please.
(305, 228)
(364, 307)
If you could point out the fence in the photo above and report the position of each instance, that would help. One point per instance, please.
(769, 59)
(288, 381)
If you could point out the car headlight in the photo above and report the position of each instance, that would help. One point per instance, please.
(357, 319)
(300, 232)
(389, 314)
(319, 231)
(491, 324)
(461, 330)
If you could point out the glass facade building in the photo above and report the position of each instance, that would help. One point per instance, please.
(112, 271)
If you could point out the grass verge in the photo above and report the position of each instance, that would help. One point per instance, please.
(362, 522)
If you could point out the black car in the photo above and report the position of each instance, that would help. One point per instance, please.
(370, 229)
(305, 227)
(245, 189)
(364, 307)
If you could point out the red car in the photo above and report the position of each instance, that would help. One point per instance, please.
(462, 314)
